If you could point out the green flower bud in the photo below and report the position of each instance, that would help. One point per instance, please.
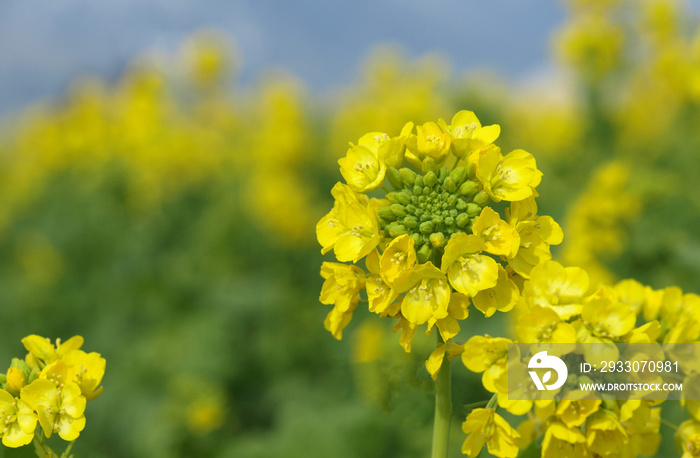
(429, 165)
(449, 221)
(410, 222)
(454, 212)
(468, 188)
(417, 190)
(462, 220)
(416, 238)
(398, 210)
(426, 227)
(424, 253)
(404, 198)
(392, 173)
(437, 220)
(430, 179)
(481, 198)
(437, 239)
(408, 176)
(473, 209)
(386, 214)
(471, 170)
(410, 208)
(396, 229)
(449, 185)
(451, 200)
(382, 223)
(419, 181)
(459, 174)
(393, 197)
(443, 173)
(461, 205)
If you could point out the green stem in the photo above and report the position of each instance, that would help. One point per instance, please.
(66, 454)
(669, 424)
(443, 409)
(40, 447)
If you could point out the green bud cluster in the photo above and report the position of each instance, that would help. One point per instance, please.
(432, 207)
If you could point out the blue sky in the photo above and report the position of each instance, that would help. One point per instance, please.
(44, 45)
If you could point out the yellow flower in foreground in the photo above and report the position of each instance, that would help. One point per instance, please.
(688, 439)
(562, 442)
(427, 293)
(85, 369)
(484, 426)
(350, 228)
(468, 135)
(488, 355)
(18, 421)
(398, 256)
(499, 237)
(576, 406)
(60, 410)
(362, 169)
(560, 288)
(501, 297)
(42, 349)
(432, 141)
(342, 286)
(468, 270)
(511, 177)
(604, 433)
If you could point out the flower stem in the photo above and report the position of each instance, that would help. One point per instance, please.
(40, 447)
(443, 409)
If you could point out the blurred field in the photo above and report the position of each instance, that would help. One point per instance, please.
(169, 219)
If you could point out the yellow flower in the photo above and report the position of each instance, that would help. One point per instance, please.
(390, 151)
(16, 379)
(576, 406)
(499, 237)
(85, 369)
(468, 135)
(18, 421)
(350, 228)
(484, 426)
(337, 320)
(563, 442)
(488, 355)
(688, 439)
(437, 357)
(399, 255)
(42, 349)
(560, 288)
(362, 169)
(536, 233)
(604, 433)
(544, 325)
(469, 272)
(432, 141)
(512, 177)
(342, 286)
(605, 320)
(427, 293)
(501, 297)
(60, 410)
(633, 293)
(408, 330)
(457, 309)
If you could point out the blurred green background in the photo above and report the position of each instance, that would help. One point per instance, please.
(168, 217)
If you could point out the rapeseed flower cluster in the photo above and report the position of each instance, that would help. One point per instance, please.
(46, 392)
(434, 243)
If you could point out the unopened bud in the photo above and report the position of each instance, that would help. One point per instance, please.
(392, 173)
(437, 239)
(429, 165)
(468, 188)
(404, 198)
(408, 176)
(424, 253)
(398, 210)
(449, 185)
(462, 220)
(430, 179)
(393, 197)
(459, 174)
(410, 222)
(481, 198)
(426, 227)
(396, 229)
(473, 209)
(443, 173)
(386, 214)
